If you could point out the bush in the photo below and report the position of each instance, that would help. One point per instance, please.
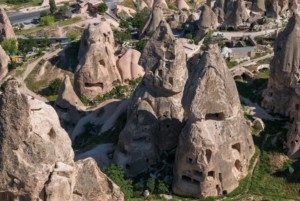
(151, 184)
(27, 45)
(116, 173)
(162, 187)
(188, 36)
(122, 36)
(73, 36)
(124, 24)
(53, 7)
(102, 8)
(47, 20)
(10, 46)
(43, 14)
(54, 86)
(139, 19)
(141, 45)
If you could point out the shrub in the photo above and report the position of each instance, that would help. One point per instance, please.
(141, 45)
(116, 173)
(102, 8)
(10, 46)
(47, 20)
(162, 187)
(151, 184)
(54, 86)
(122, 36)
(140, 17)
(188, 36)
(27, 45)
(73, 36)
(124, 24)
(43, 14)
(53, 7)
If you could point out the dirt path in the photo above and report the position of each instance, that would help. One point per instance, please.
(23, 88)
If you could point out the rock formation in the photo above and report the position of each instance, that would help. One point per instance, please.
(4, 61)
(155, 113)
(153, 21)
(128, 65)
(68, 101)
(283, 93)
(231, 13)
(208, 20)
(6, 30)
(215, 146)
(259, 5)
(181, 4)
(97, 70)
(36, 160)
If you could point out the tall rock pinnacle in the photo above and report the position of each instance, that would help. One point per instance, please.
(6, 30)
(215, 146)
(155, 114)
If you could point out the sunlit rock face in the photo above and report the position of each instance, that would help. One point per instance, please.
(6, 30)
(155, 115)
(215, 146)
(283, 93)
(36, 157)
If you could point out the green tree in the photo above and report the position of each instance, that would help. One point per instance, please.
(53, 7)
(116, 173)
(10, 46)
(141, 45)
(73, 35)
(122, 36)
(47, 20)
(54, 86)
(102, 8)
(124, 24)
(151, 184)
(43, 14)
(27, 45)
(64, 9)
(139, 19)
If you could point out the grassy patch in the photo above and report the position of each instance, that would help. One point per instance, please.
(33, 84)
(231, 64)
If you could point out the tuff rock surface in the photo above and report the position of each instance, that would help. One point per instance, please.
(155, 114)
(283, 93)
(231, 13)
(153, 21)
(68, 101)
(6, 30)
(207, 21)
(4, 61)
(36, 157)
(99, 69)
(215, 146)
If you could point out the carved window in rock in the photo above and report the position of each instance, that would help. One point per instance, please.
(171, 80)
(208, 154)
(238, 165)
(237, 147)
(98, 84)
(215, 116)
(160, 73)
(102, 62)
(198, 175)
(211, 174)
(190, 180)
(297, 107)
(189, 160)
(169, 55)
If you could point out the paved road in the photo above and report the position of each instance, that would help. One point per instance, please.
(20, 17)
(229, 35)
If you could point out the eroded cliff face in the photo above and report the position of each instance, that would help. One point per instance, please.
(6, 30)
(231, 13)
(36, 157)
(99, 69)
(215, 146)
(155, 114)
(4, 61)
(283, 93)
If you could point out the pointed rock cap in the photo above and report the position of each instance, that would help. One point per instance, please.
(4, 61)
(285, 64)
(67, 97)
(164, 61)
(153, 21)
(210, 89)
(6, 30)
(181, 4)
